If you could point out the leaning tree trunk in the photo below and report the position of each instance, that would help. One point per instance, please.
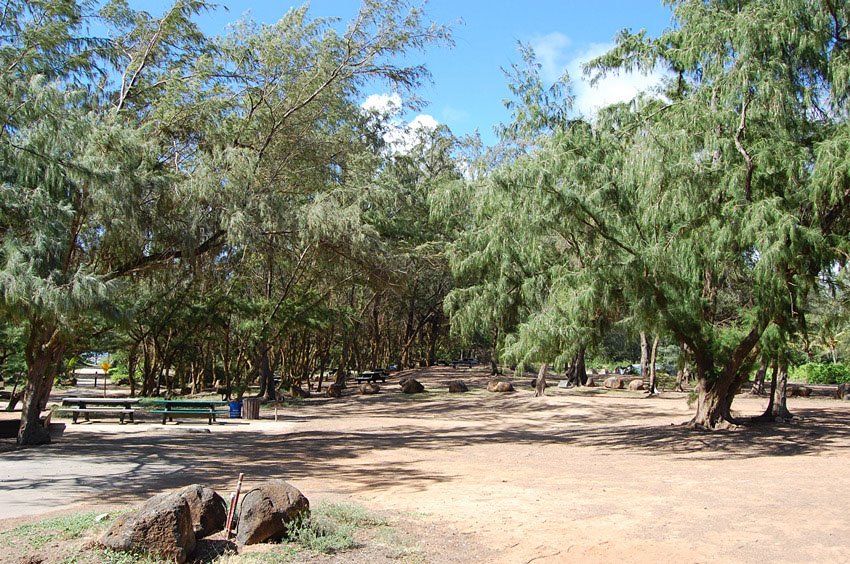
(540, 383)
(644, 355)
(43, 350)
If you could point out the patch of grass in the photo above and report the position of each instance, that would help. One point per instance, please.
(280, 553)
(399, 546)
(36, 535)
(102, 555)
(331, 527)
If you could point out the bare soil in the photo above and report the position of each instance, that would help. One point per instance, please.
(585, 476)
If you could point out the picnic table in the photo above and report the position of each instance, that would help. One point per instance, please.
(371, 376)
(468, 362)
(99, 406)
(195, 408)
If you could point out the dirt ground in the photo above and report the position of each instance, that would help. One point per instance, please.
(571, 477)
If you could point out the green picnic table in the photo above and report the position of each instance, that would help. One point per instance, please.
(193, 408)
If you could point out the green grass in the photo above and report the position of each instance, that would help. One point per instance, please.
(331, 527)
(36, 535)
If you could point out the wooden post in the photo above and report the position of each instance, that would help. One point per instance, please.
(234, 499)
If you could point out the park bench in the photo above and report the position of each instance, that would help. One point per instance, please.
(188, 408)
(122, 407)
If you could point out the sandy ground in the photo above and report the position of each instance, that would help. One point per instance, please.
(594, 477)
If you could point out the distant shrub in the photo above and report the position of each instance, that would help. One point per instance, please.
(821, 373)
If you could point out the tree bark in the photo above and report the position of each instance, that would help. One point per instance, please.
(579, 367)
(43, 350)
(540, 383)
(715, 392)
(780, 399)
(267, 390)
(653, 380)
(644, 355)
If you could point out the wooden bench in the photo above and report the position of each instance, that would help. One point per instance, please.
(123, 407)
(167, 414)
(468, 362)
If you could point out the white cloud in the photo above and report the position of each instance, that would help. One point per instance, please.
(400, 136)
(616, 87)
(551, 54)
(384, 104)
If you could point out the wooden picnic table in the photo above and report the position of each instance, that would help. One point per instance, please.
(198, 408)
(371, 376)
(102, 406)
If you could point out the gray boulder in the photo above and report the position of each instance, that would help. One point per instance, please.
(458, 387)
(162, 527)
(208, 509)
(369, 388)
(411, 386)
(499, 386)
(266, 512)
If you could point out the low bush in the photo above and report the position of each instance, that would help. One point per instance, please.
(821, 373)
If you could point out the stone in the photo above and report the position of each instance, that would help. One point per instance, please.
(614, 383)
(457, 387)
(369, 388)
(590, 383)
(334, 391)
(298, 392)
(635, 385)
(791, 391)
(161, 527)
(804, 391)
(266, 512)
(208, 509)
(411, 386)
(499, 386)
(843, 391)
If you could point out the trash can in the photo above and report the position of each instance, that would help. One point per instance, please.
(251, 408)
(236, 409)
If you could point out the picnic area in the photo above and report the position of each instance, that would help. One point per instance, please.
(589, 476)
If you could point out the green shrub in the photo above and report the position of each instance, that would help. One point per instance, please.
(821, 373)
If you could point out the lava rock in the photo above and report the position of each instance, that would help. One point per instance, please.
(162, 527)
(267, 511)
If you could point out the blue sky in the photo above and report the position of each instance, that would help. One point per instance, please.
(468, 84)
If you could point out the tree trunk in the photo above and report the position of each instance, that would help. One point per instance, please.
(540, 383)
(644, 355)
(653, 380)
(267, 390)
(780, 398)
(579, 368)
(758, 383)
(715, 395)
(42, 351)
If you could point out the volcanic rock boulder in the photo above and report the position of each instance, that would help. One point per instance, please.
(458, 387)
(499, 386)
(636, 385)
(161, 527)
(369, 388)
(267, 511)
(208, 509)
(614, 383)
(334, 391)
(411, 386)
